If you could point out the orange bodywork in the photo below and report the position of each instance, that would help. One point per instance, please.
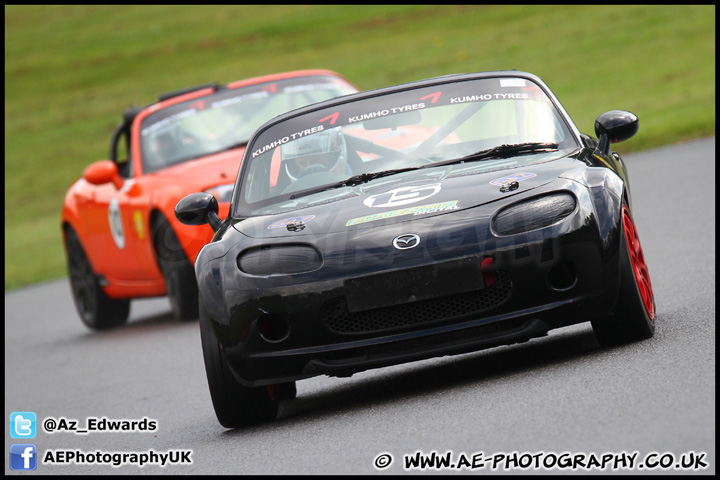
(113, 216)
(123, 253)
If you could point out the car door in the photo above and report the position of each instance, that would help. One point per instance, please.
(111, 238)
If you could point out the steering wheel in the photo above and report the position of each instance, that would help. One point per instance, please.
(312, 181)
(314, 168)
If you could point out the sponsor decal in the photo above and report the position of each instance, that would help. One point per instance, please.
(281, 141)
(116, 223)
(332, 117)
(512, 82)
(311, 87)
(198, 105)
(240, 98)
(289, 221)
(167, 121)
(389, 111)
(418, 210)
(539, 94)
(484, 97)
(515, 177)
(433, 97)
(402, 196)
(137, 216)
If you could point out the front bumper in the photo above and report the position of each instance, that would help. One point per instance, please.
(282, 329)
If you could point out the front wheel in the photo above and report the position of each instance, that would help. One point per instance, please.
(177, 270)
(634, 315)
(235, 405)
(96, 309)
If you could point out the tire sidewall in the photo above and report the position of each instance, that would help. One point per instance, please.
(235, 405)
(104, 312)
(630, 304)
(176, 269)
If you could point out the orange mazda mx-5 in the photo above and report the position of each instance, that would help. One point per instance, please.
(121, 236)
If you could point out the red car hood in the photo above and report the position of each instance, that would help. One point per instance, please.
(213, 169)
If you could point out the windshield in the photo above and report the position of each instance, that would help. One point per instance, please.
(226, 118)
(323, 154)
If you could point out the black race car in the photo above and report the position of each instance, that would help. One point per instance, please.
(436, 217)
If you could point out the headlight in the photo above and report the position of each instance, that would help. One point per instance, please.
(223, 193)
(279, 260)
(535, 213)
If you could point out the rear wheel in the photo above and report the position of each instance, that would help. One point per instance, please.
(634, 316)
(177, 270)
(96, 309)
(235, 405)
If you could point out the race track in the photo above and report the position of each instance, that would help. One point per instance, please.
(519, 405)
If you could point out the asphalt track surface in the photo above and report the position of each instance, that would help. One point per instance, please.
(540, 402)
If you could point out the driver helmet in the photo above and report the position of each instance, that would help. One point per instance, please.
(321, 152)
(162, 149)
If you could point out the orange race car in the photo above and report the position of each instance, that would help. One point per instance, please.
(122, 239)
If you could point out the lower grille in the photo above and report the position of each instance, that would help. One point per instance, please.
(337, 318)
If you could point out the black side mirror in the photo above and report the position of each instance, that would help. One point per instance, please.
(613, 127)
(198, 209)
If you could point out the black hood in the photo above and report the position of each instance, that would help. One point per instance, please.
(405, 197)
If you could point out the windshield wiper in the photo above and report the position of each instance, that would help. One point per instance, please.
(366, 177)
(503, 151)
(355, 180)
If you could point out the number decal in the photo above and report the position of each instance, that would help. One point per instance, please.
(116, 224)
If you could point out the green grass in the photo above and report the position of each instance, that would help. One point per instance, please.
(71, 70)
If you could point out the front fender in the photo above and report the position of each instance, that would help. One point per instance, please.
(70, 215)
(606, 190)
(192, 238)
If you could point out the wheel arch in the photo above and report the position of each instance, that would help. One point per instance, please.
(70, 218)
(191, 238)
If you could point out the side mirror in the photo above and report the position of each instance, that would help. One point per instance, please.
(198, 209)
(102, 172)
(613, 127)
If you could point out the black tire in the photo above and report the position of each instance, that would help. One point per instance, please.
(286, 391)
(96, 309)
(178, 271)
(235, 404)
(634, 315)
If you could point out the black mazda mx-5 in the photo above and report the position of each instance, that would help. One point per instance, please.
(436, 217)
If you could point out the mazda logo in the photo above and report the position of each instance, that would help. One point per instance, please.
(409, 240)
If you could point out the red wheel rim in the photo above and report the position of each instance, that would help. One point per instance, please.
(272, 392)
(637, 260)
